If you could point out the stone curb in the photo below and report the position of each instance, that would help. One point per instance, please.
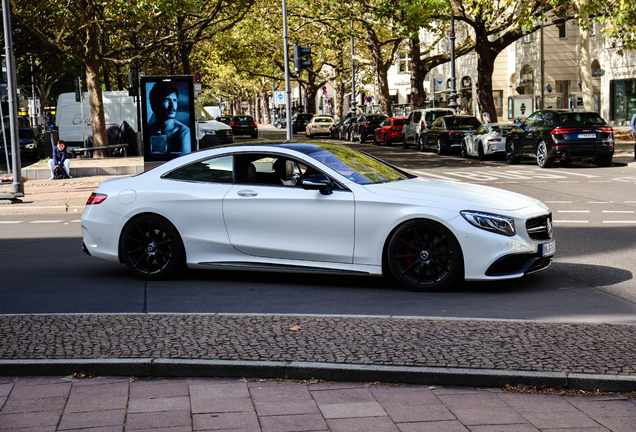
(148, 367)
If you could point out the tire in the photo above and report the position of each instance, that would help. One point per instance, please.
(440, 149)
(424, 255)
(151, 248)
(543, 160)
(375, 140)
(480, 152)
(603, 161)
(254, 135)
(464, 149)
(404, 144)
(362, 138)
(418, 144)
(386, 141)
(511, 157)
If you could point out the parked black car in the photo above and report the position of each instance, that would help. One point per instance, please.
(335, 129)
(299, 122)
(345, 130)
(364, 126)
(225, 119)
(564, 135)
(447, 132)
(31, 144)
(245, 125)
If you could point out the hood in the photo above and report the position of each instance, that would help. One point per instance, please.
(465, 195)
(213, 125)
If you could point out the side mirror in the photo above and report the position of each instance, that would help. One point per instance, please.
(318, 182)
(518, 123)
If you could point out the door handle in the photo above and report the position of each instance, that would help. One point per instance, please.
(247, 193)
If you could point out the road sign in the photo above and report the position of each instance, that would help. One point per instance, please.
(197, 77)
(279, 97)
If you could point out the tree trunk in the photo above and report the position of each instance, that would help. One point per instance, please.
(340, 95)
(92, 62)
(267, 115)
(485, 67)
(418, 95)
(381, 71)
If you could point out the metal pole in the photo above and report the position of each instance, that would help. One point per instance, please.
(79, 82)
(287, 83)
(4, 139)
(17, 187)
(33, 118)
(542, 104)
(353, 74)
(273, 109)
(452, 96)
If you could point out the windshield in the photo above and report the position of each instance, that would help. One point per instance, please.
(399, 122)
(376, 118)
(580, 119)
(26, 133)
(323, 120)
(354, 165)
(204, 116)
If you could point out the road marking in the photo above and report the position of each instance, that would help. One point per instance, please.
(599, 181)
(620, 222)
(570, 221)
(630, 202)
(619, 211)
(600, 202)
(568, 181)
(558, 202)
(422, 173)
(573, 211)
(577, 174)
(10, 222)
(45, 221)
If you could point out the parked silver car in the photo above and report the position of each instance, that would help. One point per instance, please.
(489, 139)
(419, 120)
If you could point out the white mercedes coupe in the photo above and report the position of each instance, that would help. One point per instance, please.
(301, 207)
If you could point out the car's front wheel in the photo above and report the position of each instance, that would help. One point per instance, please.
(386, 141)
(424, 255)
(420, 144)
(511, 157)
(464, 149)
(151, 248)
(480, 152)
(440, 148)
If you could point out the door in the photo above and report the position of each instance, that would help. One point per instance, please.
(288, 222)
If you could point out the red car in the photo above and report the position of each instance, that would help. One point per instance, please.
(389, 130)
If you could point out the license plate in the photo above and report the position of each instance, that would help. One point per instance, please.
(548, 249)
(587, 135)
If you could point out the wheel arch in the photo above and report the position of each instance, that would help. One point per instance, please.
(143, 214)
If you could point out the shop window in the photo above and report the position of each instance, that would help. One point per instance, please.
(563, 30)
(527, 38)
(404, 63)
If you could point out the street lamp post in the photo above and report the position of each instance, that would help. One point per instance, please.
(452, 96)
(353, 74)
(287, 83)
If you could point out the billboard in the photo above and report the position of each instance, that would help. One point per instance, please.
(168, 120)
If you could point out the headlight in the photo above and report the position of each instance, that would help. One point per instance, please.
(209, 132)
(30, 146)
(490, 222)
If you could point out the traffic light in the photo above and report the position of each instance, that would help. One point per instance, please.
(299, 62)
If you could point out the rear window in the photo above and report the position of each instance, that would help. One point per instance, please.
(376, 118)
(244, 119)
(399, 122)
(323, 120)
(453, 122)
(580, 119)
(431, 116)
(304, 116)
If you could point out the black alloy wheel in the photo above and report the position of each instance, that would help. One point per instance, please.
(440, 148)
(603, 161)
(511, 157)
(424, 255)
(543, 160)
(480, 151)
(151, 248)
(386, 141)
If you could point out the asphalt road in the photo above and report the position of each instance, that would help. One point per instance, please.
(44, 270)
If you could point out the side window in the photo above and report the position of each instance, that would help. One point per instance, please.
(215, 170)
(438, 123)
(481, 130)
(417, 116)
(269, 169)
(386, 122)
(410, 119)
(531, 121)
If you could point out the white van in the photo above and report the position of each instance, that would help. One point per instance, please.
(118, 107)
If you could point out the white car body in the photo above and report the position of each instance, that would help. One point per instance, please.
(276, 227)
(489, 136)
(319, 125)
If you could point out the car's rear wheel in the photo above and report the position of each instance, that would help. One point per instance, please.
(424, 255)
(151, 248)
(419, 144)
(480, 152)
(543, 160)
(386, 141)
(511, 157)
(603, 161)
(362, 137)
(464, 149)
(440, 148)
(404, 144)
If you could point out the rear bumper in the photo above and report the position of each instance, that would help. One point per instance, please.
(581, 151)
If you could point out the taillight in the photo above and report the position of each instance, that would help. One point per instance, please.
(422, 124)
(558, 131)
(235, 124)
(493, 139)
(365, 124)
(96, 198)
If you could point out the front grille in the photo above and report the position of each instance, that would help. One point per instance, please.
(540, 228)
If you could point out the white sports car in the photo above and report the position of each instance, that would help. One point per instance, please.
(310, 208)
(489, 139)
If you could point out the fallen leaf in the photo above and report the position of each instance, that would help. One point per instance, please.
(295, 328)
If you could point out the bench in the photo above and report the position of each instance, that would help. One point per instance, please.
(88, 151)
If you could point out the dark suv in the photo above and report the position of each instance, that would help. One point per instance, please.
(299, 122)
(548, 135)
(244, 125)
(365, 125)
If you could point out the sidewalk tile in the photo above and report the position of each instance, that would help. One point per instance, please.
(604, 408)
(510, 428)
(483, 399)
(5, 389)
(200, 406)
(618, 424)
(548, 420)
(490, 416)
(40, 391)
(266, 408)
(404, 396)
(278, 391)
(144, 389)
(84, 420)
(19, 405)
(158, 404)
(328, 397)
(293, 423)
(29, 420)
(213, 390)
(436, 426)
(418, 413)
(150, 420)
(369, 424)
(349, 410)
(225, 421)
(528, 403)
(162, 429)
(97, 401)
